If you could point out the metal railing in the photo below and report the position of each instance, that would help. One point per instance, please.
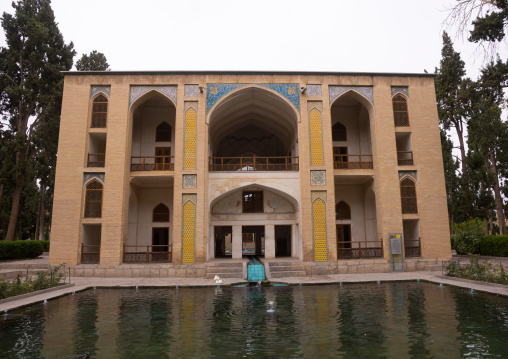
(146, 254)
(352, 162)
(355, 250)
(152, 163)
(90, 254)
(412, 248)
(405, 158)
(247, 164)
(96, 159)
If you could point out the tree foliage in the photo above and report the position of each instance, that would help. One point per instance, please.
(96, 61)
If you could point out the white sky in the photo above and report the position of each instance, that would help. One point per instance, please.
(297, 35)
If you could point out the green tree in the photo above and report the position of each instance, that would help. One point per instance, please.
(31, 82)
(96, 61)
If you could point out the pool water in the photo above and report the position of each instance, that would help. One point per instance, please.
(387, 320)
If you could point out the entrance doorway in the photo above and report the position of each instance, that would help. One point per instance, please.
(340, 157)
(343, 236)
(283, 241)
(160, 239)
(253, 240)
(223, 241)
(163, 158)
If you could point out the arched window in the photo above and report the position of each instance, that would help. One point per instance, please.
(408, 196)
(163, 133)
(99, 112)
(93, 199)
(161, 213)
(342, 210)
(339, 132)
(400, 112)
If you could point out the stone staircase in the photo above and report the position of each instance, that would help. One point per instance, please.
(286, 269)
(224, 270)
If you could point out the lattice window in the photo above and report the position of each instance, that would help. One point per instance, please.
(93, 199)
(161, 213)
(253, 202)
(400, 112)
(342, 211)
(408, 196)
(99, 112)
(339, 132)
(163, 133)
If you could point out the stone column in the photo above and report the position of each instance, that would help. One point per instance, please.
(237, 242)
(269, 241)
(294, 241)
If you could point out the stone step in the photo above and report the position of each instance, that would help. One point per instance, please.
(288, 274)
(225, 264)
(223, 275)
(287, 268)
(223, 270)
(282, 264)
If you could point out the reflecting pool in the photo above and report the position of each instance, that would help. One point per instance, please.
(387, 320)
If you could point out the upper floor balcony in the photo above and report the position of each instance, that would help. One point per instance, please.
(253, 163)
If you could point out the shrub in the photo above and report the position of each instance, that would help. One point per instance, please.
(468, 236)
(20, 249)
(22, 285)
(477, 271)
(494, 246)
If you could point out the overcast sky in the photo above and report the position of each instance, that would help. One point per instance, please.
(317, 35)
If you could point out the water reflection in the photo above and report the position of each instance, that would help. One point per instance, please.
(416, 320)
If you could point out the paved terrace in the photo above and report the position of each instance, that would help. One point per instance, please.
(83, 283)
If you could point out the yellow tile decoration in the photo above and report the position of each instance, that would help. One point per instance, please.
(191, 115)
(319, 226)
(316, 134)
(189, 228)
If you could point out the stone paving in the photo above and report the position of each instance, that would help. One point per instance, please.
(82, 283)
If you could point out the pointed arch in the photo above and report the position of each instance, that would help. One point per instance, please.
(163, 132)
(408, 195)
(160, 213)
(93, 199)
(353, 93)
(339, 132)
(400, 110)
(342, 211)
(137, 101)
(99, 111)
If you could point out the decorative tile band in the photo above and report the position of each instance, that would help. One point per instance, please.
(190, 181)
(314, 90)
(400, 89)
(191, 90)
(138, 91)
(365, 91)
(407, 173)
(88, 176)
(189, 146)
(94, 90)
(317, 178)
(189, 228)
(316, 133)
(319, 226)
(214, 92)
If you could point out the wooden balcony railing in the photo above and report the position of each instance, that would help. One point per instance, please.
(96, 159)
(412, 248)
(146, 254)
(352, 161)
(355, 250)
(405, 158)
(90, 254)
(254, 163)
(152, 163)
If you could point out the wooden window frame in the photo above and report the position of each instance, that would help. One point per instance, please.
(399, 121)
(256, 210)
(338, 132)
(95, 101)
(406, 205)
(158, 131)
(89, 201)
(348, 217)
(155, 214)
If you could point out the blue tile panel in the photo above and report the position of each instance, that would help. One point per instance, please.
(255, 272)
(400, 89)
(214, 92)
(337, 91)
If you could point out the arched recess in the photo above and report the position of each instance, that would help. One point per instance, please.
(353, 111)
(342, 211)
(339, 132)
(253, 121)
(160, 213)
(147, 113)
(408, 198)
(100, 102)
(400, 110)
(163, 132)
(93, 198)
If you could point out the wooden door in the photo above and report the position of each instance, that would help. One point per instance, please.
(162, 158)
(340, 157)
(343, 236)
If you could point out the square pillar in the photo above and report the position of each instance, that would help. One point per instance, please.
(269, 241)
(237, 242)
